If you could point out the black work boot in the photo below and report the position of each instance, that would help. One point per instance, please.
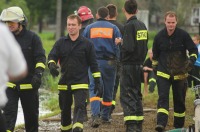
(77, 129)
(160, 128)
(134, 127)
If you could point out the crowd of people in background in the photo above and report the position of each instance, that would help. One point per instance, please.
(94, 59)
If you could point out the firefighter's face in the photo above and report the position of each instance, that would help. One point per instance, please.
(170, 22)
(73, 27)
(13, 26)
(195, 40)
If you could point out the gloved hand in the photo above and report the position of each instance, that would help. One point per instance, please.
(53, 69)
(98, 90)
(189, 65)
(36, 80)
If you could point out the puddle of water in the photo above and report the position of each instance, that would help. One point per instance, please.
(43, 96)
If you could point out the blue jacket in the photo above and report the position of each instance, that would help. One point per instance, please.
(102, 33)
(197, 63)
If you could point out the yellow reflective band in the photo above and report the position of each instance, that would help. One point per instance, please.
(79, 86)
(180, 77)
(66, 127)
(162, 110)
(78, 124)
(113, 102)
(8, 131)
(62, 87)
(152, 80)
(135, 118)
(10, 85)
(194, 55)
(154, 62)
(162, 74)
(142, 35)
(179, 114)
(40, 65)
(96, 74)
(25, 86)
(73, 87)
(51, 61)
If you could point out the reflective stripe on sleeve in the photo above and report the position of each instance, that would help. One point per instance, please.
(40, 64)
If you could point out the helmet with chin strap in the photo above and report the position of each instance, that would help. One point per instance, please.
(13, 14)
(85, 13)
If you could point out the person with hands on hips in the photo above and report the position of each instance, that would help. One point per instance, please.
(27, 89)
(76, 54)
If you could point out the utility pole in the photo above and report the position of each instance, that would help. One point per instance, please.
(58, 18)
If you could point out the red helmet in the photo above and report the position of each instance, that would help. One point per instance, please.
(85, 13)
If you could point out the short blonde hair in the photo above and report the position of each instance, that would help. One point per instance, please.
(171, 14)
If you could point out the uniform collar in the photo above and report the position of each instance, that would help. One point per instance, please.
(131, 18)
(78, 39)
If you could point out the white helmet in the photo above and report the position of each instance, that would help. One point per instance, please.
(13, 14)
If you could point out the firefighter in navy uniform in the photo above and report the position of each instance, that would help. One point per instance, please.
(27, 89)
(133, 53)
(171, 64)
(76, 55)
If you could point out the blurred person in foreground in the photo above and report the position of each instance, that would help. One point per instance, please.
(13, 67)
(133, 53)
(171, 65)
(113, 13)
(26, 89)
(103, 34)
(76, 54)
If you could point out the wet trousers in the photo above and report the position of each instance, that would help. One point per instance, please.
(66, 99)
(130, 94)
(30, 105)
(179, 92)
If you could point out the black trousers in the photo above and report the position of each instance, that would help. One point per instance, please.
(66, 101)
(30, 105)
(130, 93)
(2, 122)
(179, 92)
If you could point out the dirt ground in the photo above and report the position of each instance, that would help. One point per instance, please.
(52, 124)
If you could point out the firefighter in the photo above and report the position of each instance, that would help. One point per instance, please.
(113, 19)
(148, 75)
(133, 53)
(171, 65)
(86, 17)
(27, 89)
(76, 55)
(102, 33)
(11, 68)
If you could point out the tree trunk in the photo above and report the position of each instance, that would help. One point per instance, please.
(58, 19)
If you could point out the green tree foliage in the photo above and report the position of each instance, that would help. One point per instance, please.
(41, 10)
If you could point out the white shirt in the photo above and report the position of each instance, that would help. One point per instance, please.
(12, 62)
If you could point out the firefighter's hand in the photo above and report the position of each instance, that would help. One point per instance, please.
(189, 65)
(53, 69)
(98, 90)
(36, 80)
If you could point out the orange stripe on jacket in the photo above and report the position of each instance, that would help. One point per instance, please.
(101, 33)
(94, 99)
(106, 103)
